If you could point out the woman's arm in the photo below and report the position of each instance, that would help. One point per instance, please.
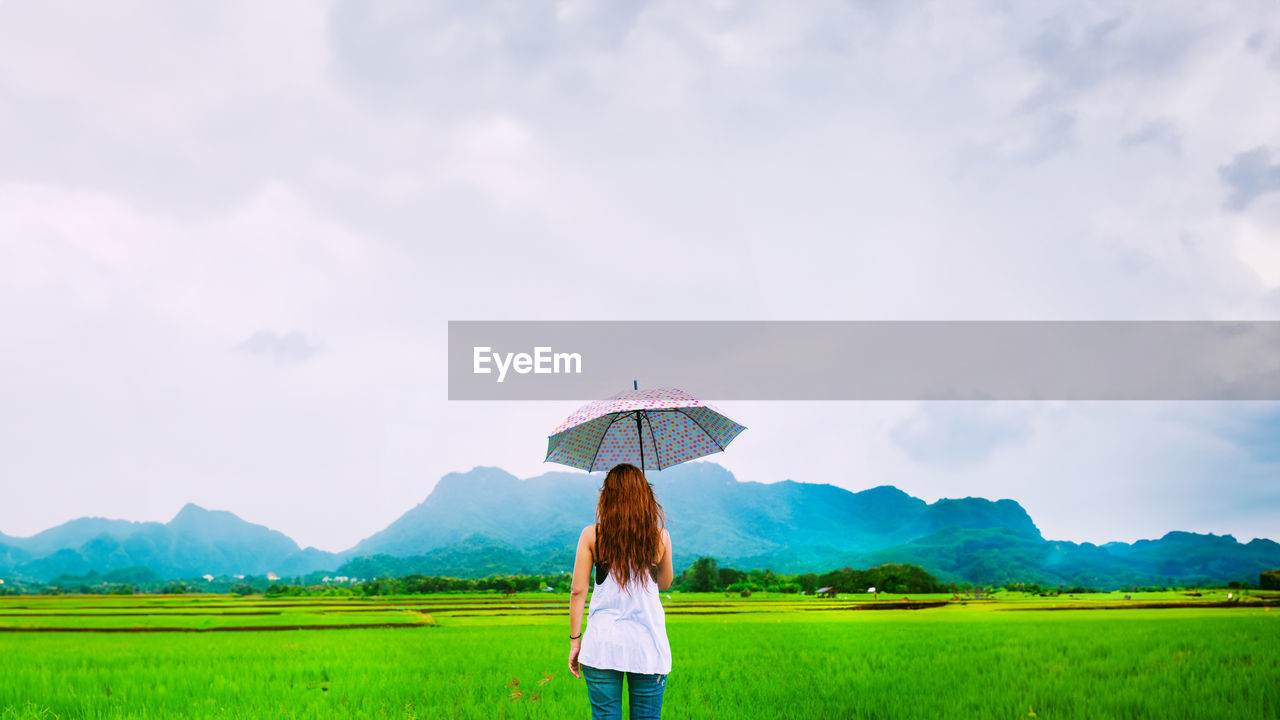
(578, 588)
(665, 572)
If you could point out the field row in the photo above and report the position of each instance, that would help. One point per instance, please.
(774, 659)
(216, 613)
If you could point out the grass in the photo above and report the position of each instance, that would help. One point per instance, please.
(767, 656)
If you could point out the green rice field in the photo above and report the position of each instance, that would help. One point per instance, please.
(1154, 655)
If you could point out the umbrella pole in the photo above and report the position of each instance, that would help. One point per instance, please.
(640, 438)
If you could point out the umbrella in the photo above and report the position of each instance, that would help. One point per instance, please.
(652, 429)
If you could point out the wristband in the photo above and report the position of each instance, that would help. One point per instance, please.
(575, 637)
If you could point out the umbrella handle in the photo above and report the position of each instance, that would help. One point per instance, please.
(640, 439)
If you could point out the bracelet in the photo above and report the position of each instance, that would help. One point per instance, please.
(575, 637)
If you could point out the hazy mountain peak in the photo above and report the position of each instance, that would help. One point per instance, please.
(884, 492)
(480, 476)
(222, 526)
(976, 512)
(1199, 538)
(486, 472)
(195, 516)
(189, 510)
(701, 473)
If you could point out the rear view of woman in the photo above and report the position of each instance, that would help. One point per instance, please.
(626, 634)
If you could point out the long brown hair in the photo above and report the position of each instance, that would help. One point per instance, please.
(631, 522)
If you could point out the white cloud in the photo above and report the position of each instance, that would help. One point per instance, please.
(1258, 246)
(153, 70)
(357, 175)
(497, 156)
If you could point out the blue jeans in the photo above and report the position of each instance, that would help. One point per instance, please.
(604, 689)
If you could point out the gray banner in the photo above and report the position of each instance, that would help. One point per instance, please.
(867, 360)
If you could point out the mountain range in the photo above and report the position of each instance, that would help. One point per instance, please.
(488, 521)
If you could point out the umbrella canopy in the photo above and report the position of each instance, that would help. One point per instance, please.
(651, 429)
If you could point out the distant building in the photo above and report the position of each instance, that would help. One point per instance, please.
(825, 592)
(207, 577)
(272, 576)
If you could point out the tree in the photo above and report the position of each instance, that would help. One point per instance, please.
(808, 582)
(703, 575)
(1269, 580)
(729, 576)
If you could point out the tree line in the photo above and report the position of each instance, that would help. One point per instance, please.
(705, 575)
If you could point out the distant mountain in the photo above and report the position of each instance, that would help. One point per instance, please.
(997, 556)
(488, 521)
(11, 555)
(706, 508)
(473, 556)
(195, 542)
(789, 523)
(492, 502)
(75, 533)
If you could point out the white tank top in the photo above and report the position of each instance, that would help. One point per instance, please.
(626, 632)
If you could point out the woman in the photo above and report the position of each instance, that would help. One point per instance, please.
(626, 627)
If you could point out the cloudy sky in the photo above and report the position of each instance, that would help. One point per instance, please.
(231, 236)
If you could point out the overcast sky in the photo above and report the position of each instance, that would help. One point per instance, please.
(231, 236)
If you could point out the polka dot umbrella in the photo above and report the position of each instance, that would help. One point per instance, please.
(651, 429)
